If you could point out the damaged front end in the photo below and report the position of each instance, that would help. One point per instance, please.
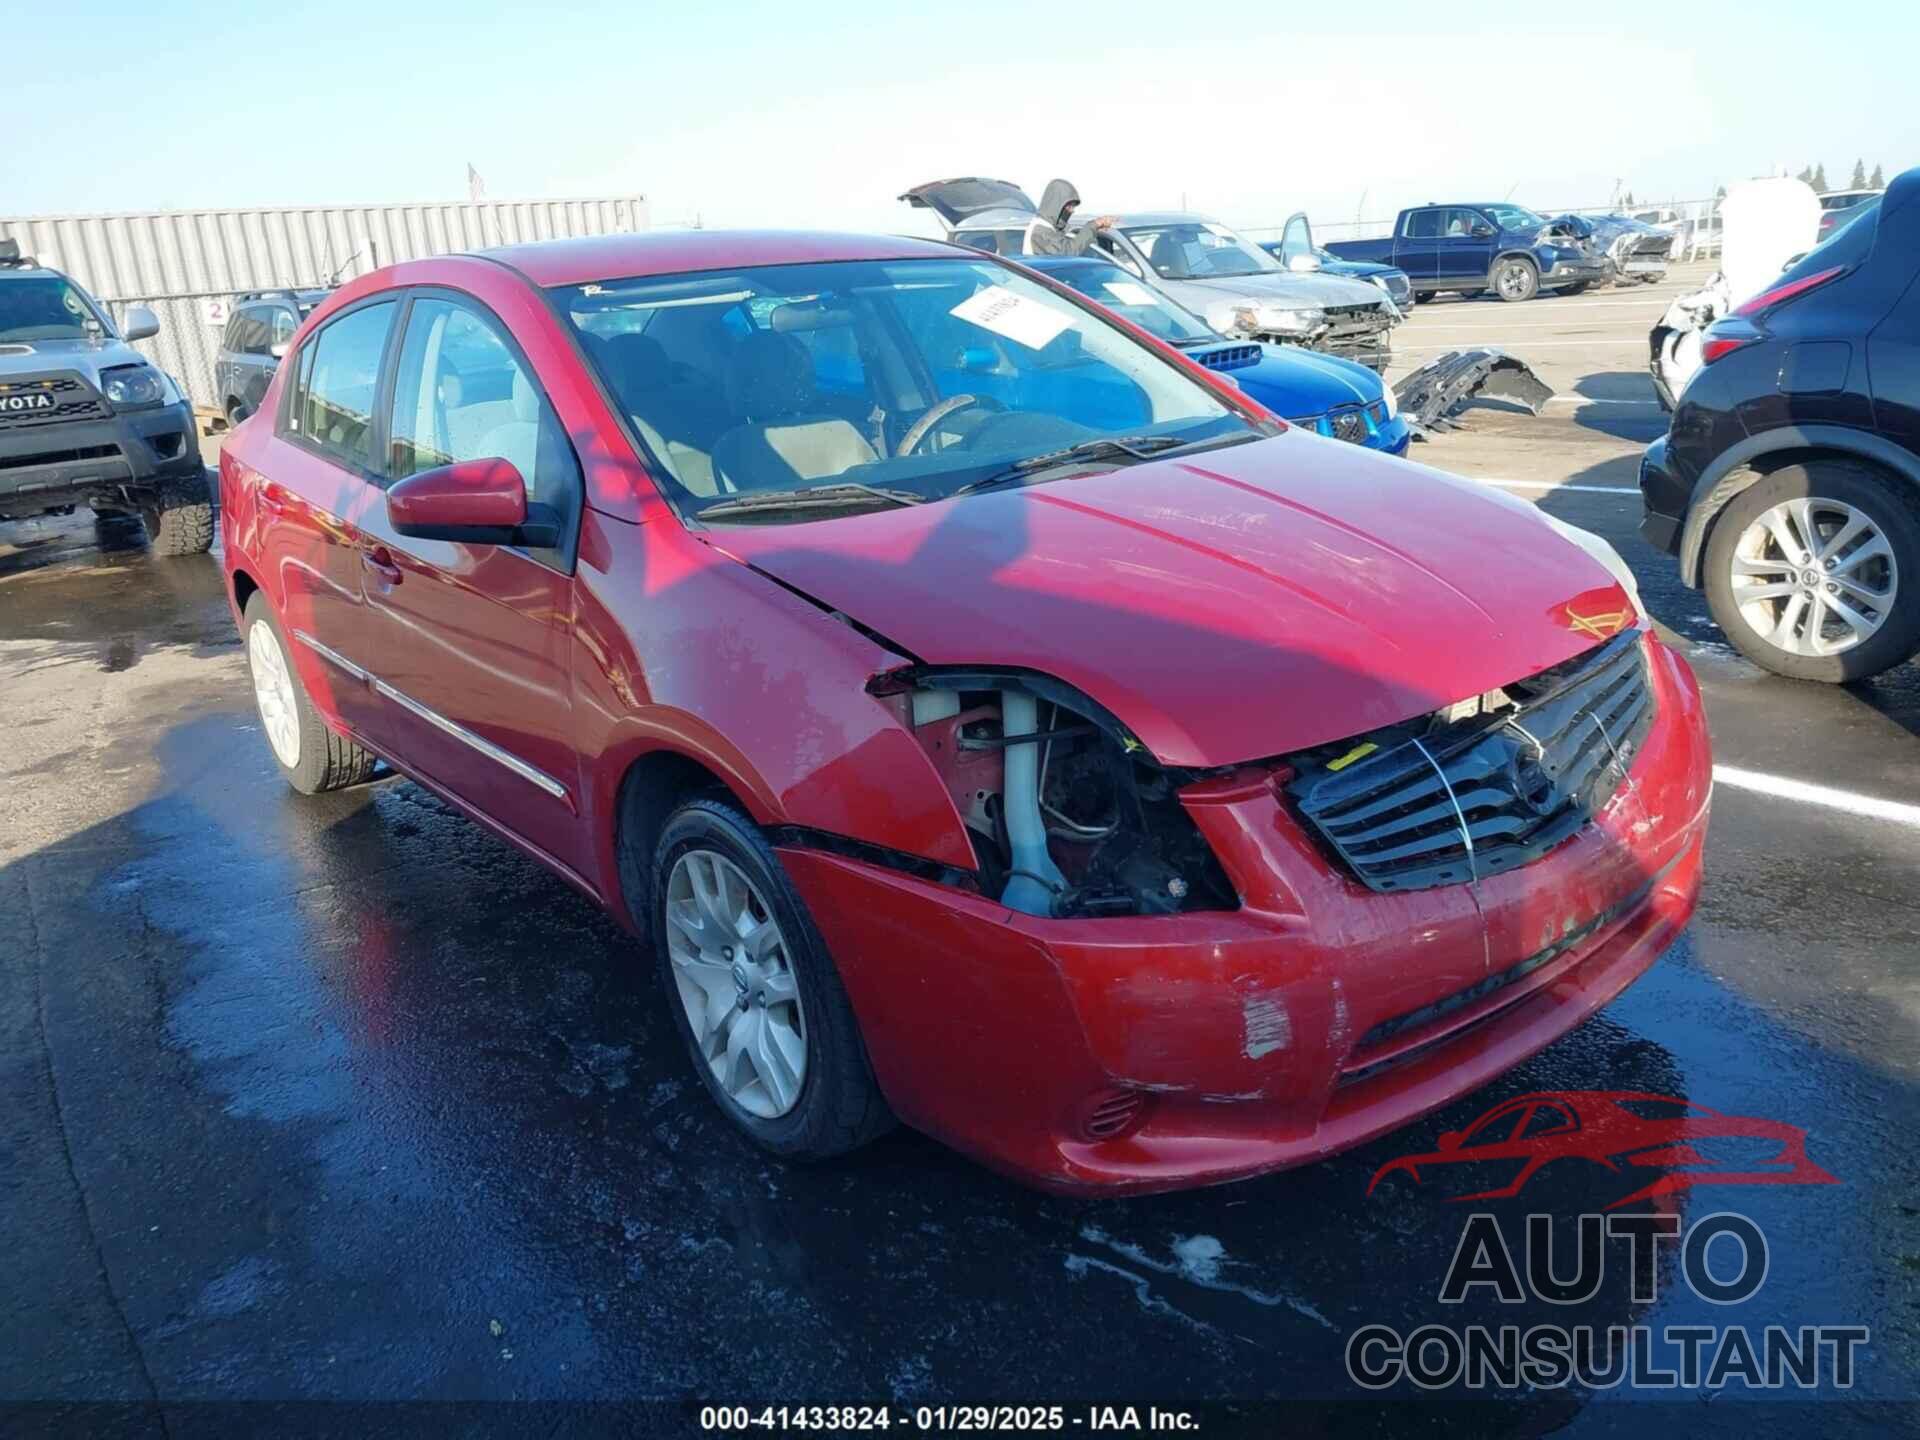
(1068, 814)
(1430, 396)
(1673, 345)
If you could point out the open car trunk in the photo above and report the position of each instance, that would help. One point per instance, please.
(954, 200)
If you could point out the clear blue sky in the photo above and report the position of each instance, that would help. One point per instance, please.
(796, 114)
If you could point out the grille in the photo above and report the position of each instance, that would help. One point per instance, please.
(1357, 317)
(72, 401)
(1112, 1114)
(1480, 796)
(1227, 357)
(59, 457)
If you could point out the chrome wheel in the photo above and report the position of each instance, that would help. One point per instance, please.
(1515, 281)
(1814, 576)
(273, 693)
(735, 978)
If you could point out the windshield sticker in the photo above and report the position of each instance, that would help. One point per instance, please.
(1012, 316)
(1128, 293)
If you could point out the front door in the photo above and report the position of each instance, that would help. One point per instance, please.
(1466, 248)
(475, 641)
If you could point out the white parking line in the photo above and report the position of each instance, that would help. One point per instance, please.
(1853, 803)
(1596, 400)
(1640, 344)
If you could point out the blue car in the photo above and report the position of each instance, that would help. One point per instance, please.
(1316, 391)
(1295, 249)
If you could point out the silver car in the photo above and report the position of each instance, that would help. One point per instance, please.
(1202, 264)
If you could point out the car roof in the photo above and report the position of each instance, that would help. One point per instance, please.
(1163, 217)
(670, 252)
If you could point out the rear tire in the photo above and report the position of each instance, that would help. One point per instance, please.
(179, 517)
(835, 1104)
(310, 756)
(1515, 279)
(1739, 560)
(1421, 297)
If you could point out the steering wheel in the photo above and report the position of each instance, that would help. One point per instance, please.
(923, 427)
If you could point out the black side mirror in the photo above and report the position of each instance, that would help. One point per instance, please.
(1483, 231)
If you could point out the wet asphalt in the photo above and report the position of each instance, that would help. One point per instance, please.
(340, 1099)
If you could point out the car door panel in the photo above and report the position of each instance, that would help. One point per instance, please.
(475, 641)
(1464, 258)
(1415, 250)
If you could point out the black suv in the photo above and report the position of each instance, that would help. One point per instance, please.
(85, 419)
(1789, 481)
(258, 329)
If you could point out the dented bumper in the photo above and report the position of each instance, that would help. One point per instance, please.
(1161, 1052)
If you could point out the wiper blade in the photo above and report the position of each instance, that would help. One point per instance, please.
(1135, 447)
(808, 497)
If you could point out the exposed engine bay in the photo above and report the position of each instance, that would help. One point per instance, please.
(1068, 814)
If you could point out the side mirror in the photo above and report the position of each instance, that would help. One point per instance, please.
(1482, 231)
(474, 502)
(142, 324)
(1303, 264)
(278, 350)
(1450, 1140)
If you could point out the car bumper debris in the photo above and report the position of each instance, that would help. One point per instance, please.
(1431, 395)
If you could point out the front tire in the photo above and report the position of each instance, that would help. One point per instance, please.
(1805, 569)
(754, 994)
(1515, 279)
(179, 516)
(310, 756)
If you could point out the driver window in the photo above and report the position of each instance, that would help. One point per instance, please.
(461, 393)
(1111, 248)
(1545, 1120)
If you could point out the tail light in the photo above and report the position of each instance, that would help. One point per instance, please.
(1779, 294)
(1723, 339)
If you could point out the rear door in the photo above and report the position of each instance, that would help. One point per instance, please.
(318, 484)
(473, 643)
(1416, 249)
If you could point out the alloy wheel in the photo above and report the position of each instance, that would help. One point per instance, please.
(1814, 576)
(735, 977)
(273, 693)
(1513, 280)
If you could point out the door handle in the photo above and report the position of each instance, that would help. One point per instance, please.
(379, 563)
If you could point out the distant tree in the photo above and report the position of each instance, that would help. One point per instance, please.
(1819, 179)
(1807, 175)
(1626, 201)
(1859, 180)
(1879, 181)
(1721, 193)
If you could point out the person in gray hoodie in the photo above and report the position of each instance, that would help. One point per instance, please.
(1047, 233)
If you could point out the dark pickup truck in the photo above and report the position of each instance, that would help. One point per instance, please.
(1472, 248)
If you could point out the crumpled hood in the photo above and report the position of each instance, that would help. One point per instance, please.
(84, 357)
(1228, 607)
(1276, 287)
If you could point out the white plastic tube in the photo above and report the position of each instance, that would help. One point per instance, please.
(1036, 879)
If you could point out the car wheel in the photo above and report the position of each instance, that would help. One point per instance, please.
(1804, 571)
(1421, 297)
(1516, 278)
(310, 755)
(753, 991)
(179, 516)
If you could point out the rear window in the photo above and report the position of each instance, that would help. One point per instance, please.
(1850, 244)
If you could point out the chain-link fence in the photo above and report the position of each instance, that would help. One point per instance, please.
(1696, 224)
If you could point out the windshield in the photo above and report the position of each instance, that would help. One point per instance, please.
(1112, 287)
(1514, 217)
(45, 308)
(910, 378)
(1199, 250)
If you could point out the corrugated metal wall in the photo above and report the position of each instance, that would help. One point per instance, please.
(176, 260)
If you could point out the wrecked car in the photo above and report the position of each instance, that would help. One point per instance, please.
(1638, 252)
(1322, 393)
(1295, 250)
(991, 720)
(1203, 265)
(1471, 249)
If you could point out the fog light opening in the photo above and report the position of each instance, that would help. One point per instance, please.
(1111, 1114)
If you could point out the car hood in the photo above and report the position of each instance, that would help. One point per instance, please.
(1279, 287)
(1293, 381)
(83, 357)
(1229, 607)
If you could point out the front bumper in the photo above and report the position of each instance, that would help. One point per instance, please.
(1314, 1018)
(1575, 272)
(44, 467)
(1664, 497)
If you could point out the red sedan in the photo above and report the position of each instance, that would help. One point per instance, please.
(987, 717)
